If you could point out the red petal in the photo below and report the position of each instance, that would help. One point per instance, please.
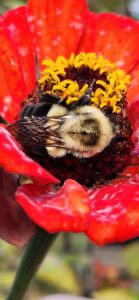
(133, 111)
(88, 41)
(63, 210)
(112, 33)
(135, 160)
(133, 114)
(133, 90)
(17, 26)
(115, 213)
(130, 171)
(15, 227)
(56, 25)
(129, 174)
(13, 92)
(136, 138)
(14, 160)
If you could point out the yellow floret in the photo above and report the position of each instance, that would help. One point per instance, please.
(108, 93)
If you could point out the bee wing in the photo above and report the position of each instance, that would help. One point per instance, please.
(38, 132)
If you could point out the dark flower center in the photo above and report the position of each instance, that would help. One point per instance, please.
(74, 123)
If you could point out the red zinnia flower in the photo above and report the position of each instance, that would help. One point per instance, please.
(108, 211)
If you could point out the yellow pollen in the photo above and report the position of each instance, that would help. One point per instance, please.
(111, 85)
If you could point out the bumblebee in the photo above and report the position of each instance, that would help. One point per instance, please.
(79, 128)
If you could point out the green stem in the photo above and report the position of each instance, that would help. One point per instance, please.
(32, 258)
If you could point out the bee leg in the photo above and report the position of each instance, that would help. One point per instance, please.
(24, 180)
(3, 121)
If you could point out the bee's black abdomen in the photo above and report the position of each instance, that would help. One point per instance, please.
(27, 111)
(49, 99)
(35, 110)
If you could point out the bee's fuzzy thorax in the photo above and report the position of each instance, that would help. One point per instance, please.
(87, 132)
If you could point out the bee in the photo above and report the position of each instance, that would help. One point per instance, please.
(79, 128)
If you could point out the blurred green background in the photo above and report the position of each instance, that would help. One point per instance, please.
(130, 7)
(74, 265)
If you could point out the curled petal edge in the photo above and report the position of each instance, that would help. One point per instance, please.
(107, 215)
(14, 160)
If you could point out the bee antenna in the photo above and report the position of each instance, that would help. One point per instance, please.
(86, 98)
(88, 92)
